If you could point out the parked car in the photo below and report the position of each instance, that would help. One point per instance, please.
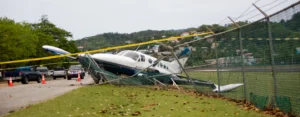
(43, 70)
(51, 72)
(23, 74)
(74, 70)
(59, 72)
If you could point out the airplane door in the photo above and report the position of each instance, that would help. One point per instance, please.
(141, 62)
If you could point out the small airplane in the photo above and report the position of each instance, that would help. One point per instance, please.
(130, 63)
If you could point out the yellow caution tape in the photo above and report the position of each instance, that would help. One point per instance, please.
(277, 39)
(41, 65)
(106, 49)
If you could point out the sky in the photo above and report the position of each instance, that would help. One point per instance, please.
(85, 18)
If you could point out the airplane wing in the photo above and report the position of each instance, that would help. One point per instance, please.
(58, 51)
(215, 87)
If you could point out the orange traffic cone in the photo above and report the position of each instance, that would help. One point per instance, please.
(10, 82)
(78, 79)
(43, 79)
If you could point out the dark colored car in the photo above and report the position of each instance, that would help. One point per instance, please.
(74, 70)
(23, 74)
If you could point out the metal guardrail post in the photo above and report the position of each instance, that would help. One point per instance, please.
(271, 50)
(242, 57)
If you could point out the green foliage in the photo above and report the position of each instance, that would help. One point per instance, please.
(113, 39)
(17, 40)
(25, 40)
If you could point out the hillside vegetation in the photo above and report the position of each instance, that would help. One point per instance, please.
(227, 47)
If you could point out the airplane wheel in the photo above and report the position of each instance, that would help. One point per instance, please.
(39, 80)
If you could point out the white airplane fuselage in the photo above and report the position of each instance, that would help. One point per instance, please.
(129, 62)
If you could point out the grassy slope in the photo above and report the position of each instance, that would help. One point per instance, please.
(95, 100)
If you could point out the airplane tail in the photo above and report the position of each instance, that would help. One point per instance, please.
(182, 57)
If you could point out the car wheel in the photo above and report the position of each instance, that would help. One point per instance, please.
(69, 78)
(54, 78)
(65, 77)
(39, 79)
(25, 80)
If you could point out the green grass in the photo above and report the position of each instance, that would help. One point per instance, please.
(260, 83)
(107, 100)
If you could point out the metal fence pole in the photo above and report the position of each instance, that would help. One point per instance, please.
(217, 60)
(242, 56)
(271, 50)
(242, 63)
(272, 56)
(217, 66)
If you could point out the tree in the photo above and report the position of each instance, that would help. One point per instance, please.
(17, 40)
(25, 40)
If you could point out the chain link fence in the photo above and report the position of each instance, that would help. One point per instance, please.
(263, 55)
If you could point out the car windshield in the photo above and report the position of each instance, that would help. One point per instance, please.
(42, 70)
(58, 69)
(132, 55)
(75, 67)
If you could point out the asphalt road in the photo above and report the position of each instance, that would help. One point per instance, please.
(20, 96)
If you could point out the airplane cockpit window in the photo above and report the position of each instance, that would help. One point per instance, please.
(121, 53)
(132, 55)
(161, 65)
(142, 58)
(165, 66)
(150, 61)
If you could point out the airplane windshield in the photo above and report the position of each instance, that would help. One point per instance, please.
(121, 53)
(132, 55)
